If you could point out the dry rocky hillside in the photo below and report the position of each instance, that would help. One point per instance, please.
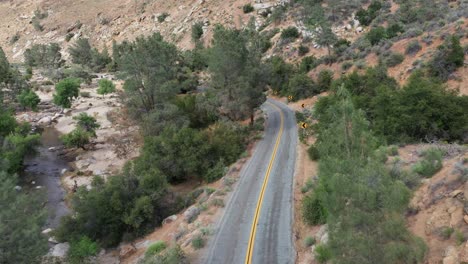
(439, 207)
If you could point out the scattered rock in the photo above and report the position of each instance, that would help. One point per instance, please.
(63, 171)
(45, 121)
(18, 188)
(53, 240)
(126, 250)
(169, 219)
(359, 29)
(52, 149)
(59, 250)
(450, 255)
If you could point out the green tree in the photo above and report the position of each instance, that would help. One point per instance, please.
(22, 218)
(47, 56)
(81, 250)
(324, 80)
(364, 204)
(448, 57)
(301, 86)
(150, 65)
(105, 87)
(78, 138)
(376, 34)
(81, 52)
(238, 74)
(197, 31)
(28, 98)
(87, 123)
(65, 91)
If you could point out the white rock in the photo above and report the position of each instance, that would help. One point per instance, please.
(53, 240)
(63, 171)
(18, 188)
(45, 120)
(60, 250)
(359, 29)
(52, 149)
(46, 231)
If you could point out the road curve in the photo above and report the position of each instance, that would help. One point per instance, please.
(271, 239)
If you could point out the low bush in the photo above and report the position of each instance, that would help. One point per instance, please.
(323, 253)
(393, 59)
(313, 153)
(313, 210)
(309, 241)
(197, 31)
(446, 232)
(37, 25)
(430, 163)
(198, 242)
(302, 50)
(105, 87)
(290, 33)
(346, 65)
(78, 138)
(247, 8)
(162, 17)
(375, 35)
(29, 99)
(413, 47)
(459, 237)
(81, 250)
(155, 248)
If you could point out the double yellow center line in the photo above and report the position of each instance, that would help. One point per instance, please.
(253, 230)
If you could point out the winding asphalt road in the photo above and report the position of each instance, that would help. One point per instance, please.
(257, 223)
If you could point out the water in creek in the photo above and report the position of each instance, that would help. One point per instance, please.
(45, 168)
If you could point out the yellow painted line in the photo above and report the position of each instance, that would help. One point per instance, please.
(253, 230)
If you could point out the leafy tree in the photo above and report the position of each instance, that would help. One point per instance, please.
(87, 123)
(290, 33)
(326, 37)
(47, 56)
(105, 87)
(324, 80)
(99, 60)
(150, 66)
(78, 138)
(281, 72)
(15, 146)
(81, 52)
(301, 86)
(7, 123)
(447, 59)
(238, 74)
(364, 205)
(65, 91)
(29, 98)
(22, 219)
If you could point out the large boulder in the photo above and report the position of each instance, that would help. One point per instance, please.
(59, 250)
(45, 121)
(191, 213)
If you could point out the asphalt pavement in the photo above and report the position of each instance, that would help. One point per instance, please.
(271, 168)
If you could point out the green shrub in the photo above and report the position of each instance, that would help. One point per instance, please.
(69, 36)
(15, 38)
(81, 249)
(247, 8)
(346, 65)
(448, 57)
(313, 211)
(29, 99)
(40, 15)
(459, 237)
(323, 253)
(301, 86)
(309, 241)
(393, 59)
(216, 173)
(162, 17)
(393, 30)
(290, 33)
(313, 153)
(65, 91)
(105, 87)
(324, 80)
(197, 31)
(155, 248)
(375, 35)
(198, 242)
(308, 63)
(302, 50)
(47, 56)
(413, 47)
(78, 138)
(37, 25)
(87, 123)
(173, 255)
(430, 163)
(446, 232)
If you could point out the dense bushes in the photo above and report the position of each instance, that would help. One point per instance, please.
(413, 47)
(29, 99)
(82, 53)
(105, 87)
(47, 56)
(290, 33)
(355, 194)
(247, 8)
(422, 110)
(430, 164)
(447, 59)
(365, 17)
